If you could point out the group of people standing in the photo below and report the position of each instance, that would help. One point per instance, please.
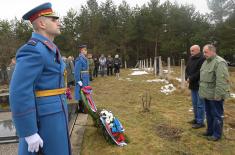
(208, 78)
(104, 66)
(37, 90)
(108, 65)
(86, 67)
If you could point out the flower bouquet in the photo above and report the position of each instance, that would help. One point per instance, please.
(112, 128)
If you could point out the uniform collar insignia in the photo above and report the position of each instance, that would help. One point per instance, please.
(49, 45)
(32, 42)
(82, 55)
(45, 41)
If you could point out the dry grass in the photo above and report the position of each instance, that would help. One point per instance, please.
(163, 130)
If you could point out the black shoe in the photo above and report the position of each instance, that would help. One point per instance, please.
(206, 134)
(80, 111)
(192, 121)
(212, 138)
(197, 126)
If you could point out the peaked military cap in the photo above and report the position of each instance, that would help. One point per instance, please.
(82, 46)
(41, 10)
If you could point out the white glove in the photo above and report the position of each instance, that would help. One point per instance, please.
(34, 141)
(80, 83)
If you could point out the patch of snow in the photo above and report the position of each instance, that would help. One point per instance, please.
(158, 80)
(190, 110)
(167, 89)
(149, 69)
(178, 79)
(232, 95)
(135, 69)
(139, 73)
(129, 79)
(165, 71)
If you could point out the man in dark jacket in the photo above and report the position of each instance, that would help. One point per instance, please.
(96, 68)
(109, 63)
(192, 77)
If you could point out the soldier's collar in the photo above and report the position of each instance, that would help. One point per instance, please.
(81, 54)
(45, 41)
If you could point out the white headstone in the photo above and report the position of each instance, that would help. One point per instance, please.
(160, 67)
(182, 73)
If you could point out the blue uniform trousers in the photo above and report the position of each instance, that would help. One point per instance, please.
(214, 115)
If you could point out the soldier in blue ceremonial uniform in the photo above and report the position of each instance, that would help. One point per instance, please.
(37, 89)
(81, 75)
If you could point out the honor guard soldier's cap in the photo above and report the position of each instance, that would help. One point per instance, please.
(82, 46)
(41, 10)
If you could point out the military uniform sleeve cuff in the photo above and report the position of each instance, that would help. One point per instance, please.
(26, 125)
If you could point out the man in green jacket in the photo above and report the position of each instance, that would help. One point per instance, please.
(91, 65)
(214, 88)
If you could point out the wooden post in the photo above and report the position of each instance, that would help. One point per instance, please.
(125, 65)
(182, 73)
(155, 66)
(168, 67)
(160, 67)
(144, 65)
(150, 64)
(147, 64)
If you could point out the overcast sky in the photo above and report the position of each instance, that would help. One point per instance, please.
(16, 8)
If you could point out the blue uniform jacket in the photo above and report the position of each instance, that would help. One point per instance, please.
(39, 67)
(81, 64)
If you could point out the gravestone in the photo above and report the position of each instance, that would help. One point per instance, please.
(160, 67)
(155, 66)
(7, 132)
(4, 100)
(7, 129)
(168, 67)
(182, 62)
(147, 64)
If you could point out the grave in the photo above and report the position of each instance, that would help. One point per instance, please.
(7, 128)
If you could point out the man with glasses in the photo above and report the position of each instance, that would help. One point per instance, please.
(37, 89)
(214, 88)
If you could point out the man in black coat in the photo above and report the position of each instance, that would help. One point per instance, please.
(193, 77)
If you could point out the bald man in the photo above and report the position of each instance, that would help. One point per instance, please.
(192, 77)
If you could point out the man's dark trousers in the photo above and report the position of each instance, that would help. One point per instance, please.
(214, 116)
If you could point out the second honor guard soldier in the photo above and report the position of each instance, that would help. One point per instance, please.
(37, 89)
(81, 75)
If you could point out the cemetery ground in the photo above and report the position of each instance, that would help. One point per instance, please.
(161, 130)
